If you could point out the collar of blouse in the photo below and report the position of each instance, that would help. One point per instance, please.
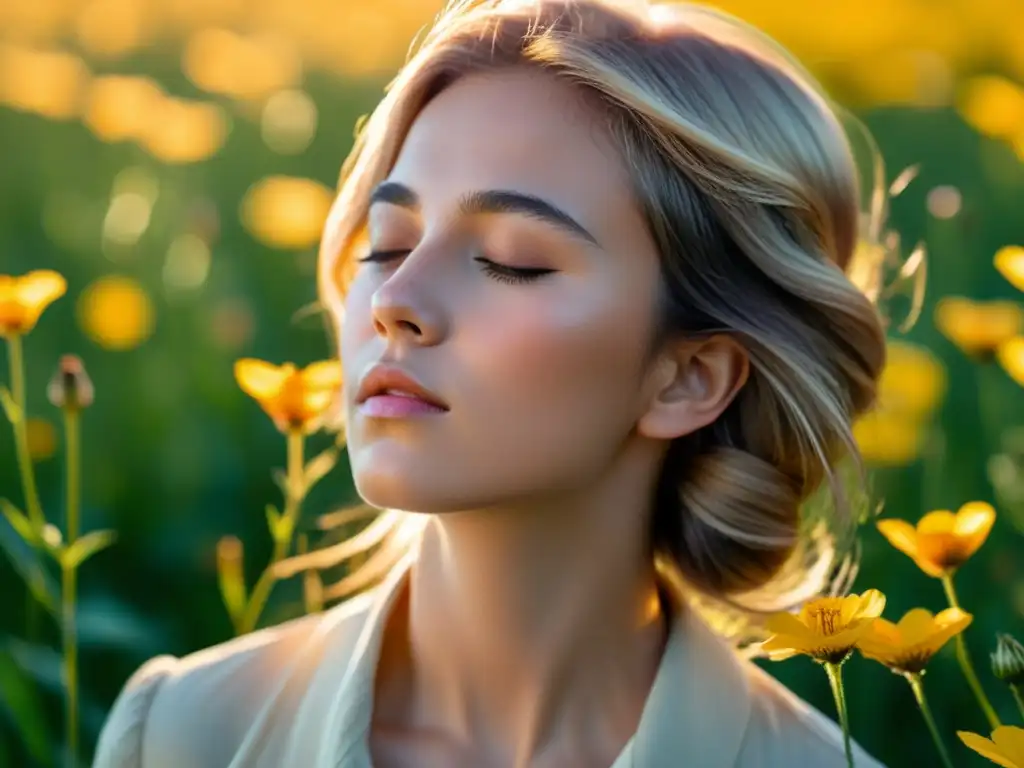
(699, 705)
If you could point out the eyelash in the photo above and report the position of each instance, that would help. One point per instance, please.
(499, 272)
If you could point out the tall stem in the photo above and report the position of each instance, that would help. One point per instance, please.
(69, 574)
(16, 359)
(922, 703)
(282, 536)
(963, 657)
(835, 679)
(28, 477)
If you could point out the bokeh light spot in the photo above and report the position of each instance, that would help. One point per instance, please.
(286, 212)
(116, 312)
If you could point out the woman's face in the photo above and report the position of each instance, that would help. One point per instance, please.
(512, 276)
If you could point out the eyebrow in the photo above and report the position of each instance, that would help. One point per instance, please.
(489, 201)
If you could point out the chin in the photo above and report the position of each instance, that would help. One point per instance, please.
(410, 486)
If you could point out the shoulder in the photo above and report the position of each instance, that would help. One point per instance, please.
(784, 730)
(201, 709)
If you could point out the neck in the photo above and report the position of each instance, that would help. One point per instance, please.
(530, 630)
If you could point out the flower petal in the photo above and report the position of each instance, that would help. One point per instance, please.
(973, 524)
(260, 379)
(38, 289)
(900, 534)
(1009, 740)
(872, 603)
(985, 748)
(916, 625)
(937, 521)
(785, 623)
(325, 374)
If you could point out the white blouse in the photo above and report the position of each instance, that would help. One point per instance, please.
(301, 695)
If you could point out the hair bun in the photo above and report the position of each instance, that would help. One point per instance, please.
(731, 521)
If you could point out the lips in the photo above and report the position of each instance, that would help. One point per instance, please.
(393, 391)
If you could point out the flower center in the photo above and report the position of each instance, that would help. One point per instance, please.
(826, 620)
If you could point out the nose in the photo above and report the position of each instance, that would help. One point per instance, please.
(401, 312)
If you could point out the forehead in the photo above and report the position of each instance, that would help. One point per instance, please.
(520, 130)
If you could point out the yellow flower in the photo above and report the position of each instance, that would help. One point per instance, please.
(23, 299)
(1006, 747)
(888, 439)
(826, 629)
(1009, 260)
(978, 328)
(942, 541)
(908, 646)
(295, 399)
(1010, 355)
(913, 381)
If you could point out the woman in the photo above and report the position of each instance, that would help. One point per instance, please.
(588, 267)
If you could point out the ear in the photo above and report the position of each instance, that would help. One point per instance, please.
(694, 381)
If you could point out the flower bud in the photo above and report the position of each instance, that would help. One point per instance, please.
(1008, 661)
(70, 388)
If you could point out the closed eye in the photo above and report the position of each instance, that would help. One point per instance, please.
(501, 272)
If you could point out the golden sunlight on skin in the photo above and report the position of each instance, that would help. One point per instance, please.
(942, 541)
(553, 424)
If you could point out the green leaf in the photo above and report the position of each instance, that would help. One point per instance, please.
(19, 521)
(27, 561)
(318, 467)
(11, 408)
(273, 518)
(87, 546)
(25, 708)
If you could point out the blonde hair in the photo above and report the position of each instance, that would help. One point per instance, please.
(748, 183)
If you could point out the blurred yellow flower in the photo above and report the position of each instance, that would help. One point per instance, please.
(42, 439)
(826, 629)
(888, 439)
(112, 28)
(116, 313)
(1009, 260)
(908, 646)
(119, 107)
(23, 299)
(286, 212)
(182, 131)
(942, 541)
(913, 381)
(46, 82)
(978, 328)
(296, 400)
(1006, 748)
(224, 62)
(1010, 355)
(993, 105)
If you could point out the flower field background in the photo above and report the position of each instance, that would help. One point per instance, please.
(173, 161)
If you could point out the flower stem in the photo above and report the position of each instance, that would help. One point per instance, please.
(1018, 697)
(282, 535)
(69, 574)
(16, 359)
(835, 679)
(922, 703)
(965, 661)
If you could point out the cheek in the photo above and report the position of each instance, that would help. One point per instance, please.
(558, 378)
